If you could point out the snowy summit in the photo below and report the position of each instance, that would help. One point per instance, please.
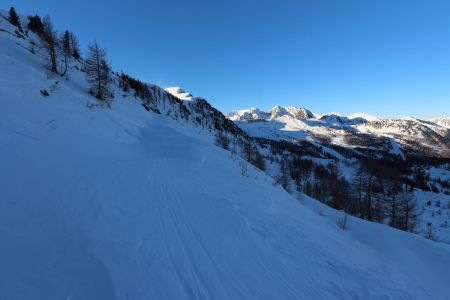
(179, 93)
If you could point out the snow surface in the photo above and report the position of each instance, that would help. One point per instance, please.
(435, 209)
(121, 203)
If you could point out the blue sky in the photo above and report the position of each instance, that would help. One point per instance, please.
(387, 58)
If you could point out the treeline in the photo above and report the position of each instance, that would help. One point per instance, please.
(375, 191)
(140, 89)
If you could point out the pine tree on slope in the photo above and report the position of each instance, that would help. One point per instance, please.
(74, 46)
(35, 25)
(66, 50)
(50, 43)
(14, 19)
(98, 71)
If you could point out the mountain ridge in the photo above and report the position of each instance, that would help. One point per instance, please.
(235, 115)
(404, 130)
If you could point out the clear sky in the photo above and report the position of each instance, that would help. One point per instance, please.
(384, 57)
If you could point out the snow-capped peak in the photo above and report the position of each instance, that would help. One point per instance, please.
(300, 112)
(179, 93)
(274, 113)
(248, 114)
(292, 111)
(364, 116)
(333, 113)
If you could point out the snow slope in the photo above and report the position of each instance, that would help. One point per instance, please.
(122, 203)
(435, 211)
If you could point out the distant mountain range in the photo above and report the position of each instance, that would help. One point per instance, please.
(425, 137)
(399, 136)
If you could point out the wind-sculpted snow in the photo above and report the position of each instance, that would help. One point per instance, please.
(124, 203)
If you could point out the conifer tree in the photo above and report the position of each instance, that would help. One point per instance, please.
(98, 71)
(50, 43)
(14, 18)
(74, 46)
(358, 188)
(408, 212)
(66, 50)
(258, 161)
(35, 25)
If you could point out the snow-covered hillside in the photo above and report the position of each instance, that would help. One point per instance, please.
(409, 144)
(125, 203)
(442, 121)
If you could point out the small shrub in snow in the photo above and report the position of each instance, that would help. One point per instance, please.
(429, 232)
(342, 221)
(244, 168)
